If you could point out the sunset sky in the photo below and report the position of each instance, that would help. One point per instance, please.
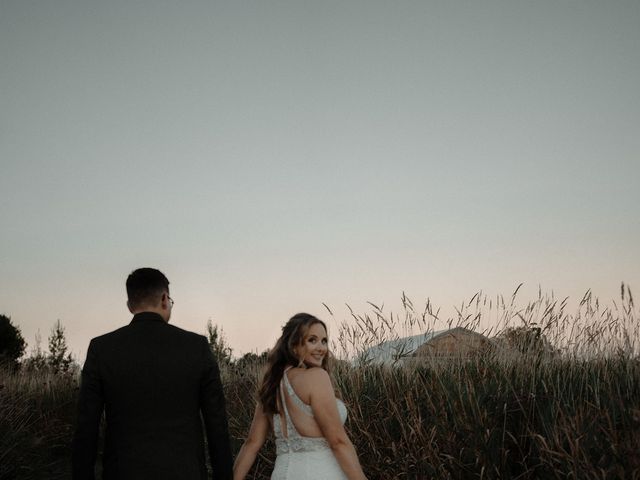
(269, 156)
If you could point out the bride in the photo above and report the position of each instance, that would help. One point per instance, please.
(296, 401)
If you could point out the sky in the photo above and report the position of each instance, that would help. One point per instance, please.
(272, 156)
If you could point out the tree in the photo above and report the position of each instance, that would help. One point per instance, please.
(37, 360)
(249, 360)
(12, 344)
(218, 344)
(59, 360)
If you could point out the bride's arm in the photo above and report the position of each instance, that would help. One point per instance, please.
(325, 411)
(252, 445)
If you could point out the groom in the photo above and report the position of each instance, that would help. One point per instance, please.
(153, 381)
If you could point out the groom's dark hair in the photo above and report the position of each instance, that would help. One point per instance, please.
(145, 285)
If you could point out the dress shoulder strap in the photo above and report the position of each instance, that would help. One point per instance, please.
(291, 430)
(294, 396)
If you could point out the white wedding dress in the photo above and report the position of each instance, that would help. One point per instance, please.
(299, 457)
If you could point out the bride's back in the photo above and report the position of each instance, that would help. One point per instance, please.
(302, 386)
(299, 387)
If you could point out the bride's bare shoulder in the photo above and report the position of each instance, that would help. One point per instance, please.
(316, 372)
(317, 377)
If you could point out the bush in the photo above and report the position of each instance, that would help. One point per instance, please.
(12, 344)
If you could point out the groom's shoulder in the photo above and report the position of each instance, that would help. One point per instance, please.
(105, 337)
(186, 334)
(106, 340)
(126, 330)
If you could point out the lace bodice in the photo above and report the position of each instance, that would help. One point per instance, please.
(293, 441)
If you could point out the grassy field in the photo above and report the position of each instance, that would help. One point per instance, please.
(36, 424)
(572, 411)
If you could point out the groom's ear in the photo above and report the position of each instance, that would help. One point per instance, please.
(129, 306)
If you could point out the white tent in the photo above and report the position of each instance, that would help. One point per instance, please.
(393, 351)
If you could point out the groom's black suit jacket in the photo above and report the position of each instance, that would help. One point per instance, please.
(153, 380)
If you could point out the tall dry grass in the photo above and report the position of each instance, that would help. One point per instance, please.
(569, 412)
(37, 411)
(574, 413)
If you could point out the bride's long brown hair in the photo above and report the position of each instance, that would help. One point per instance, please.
(282, 355)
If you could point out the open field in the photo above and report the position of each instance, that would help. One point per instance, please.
(573, 412)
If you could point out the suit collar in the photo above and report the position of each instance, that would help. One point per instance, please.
(147, 317)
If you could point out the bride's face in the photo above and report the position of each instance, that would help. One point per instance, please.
(314, 347)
